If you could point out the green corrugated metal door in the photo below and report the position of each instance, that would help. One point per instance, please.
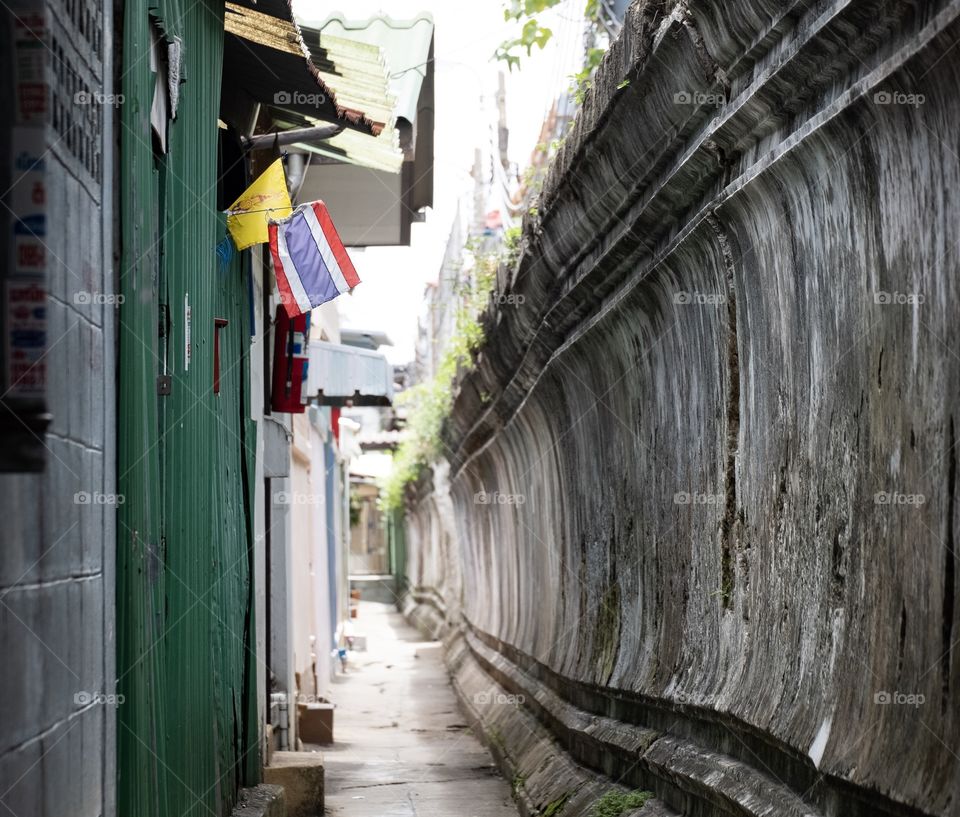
(186, 732)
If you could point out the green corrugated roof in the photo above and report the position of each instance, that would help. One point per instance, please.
(376, 66)
(357, 73)
(405, 45)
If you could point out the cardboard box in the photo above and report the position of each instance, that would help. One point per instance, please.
(315, 723)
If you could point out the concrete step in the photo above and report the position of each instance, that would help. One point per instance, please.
(264, 800)
(381, 588)
(301, 776)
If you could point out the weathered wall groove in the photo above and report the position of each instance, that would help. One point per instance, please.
(722, 417)
(689, 175)
(547, 781)
(618, 722)
(732, 418)
(949, 571)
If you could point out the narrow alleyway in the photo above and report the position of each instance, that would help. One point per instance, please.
(402, 747)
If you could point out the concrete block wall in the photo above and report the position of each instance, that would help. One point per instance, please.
(57, 720)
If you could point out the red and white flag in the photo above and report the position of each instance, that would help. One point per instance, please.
(309, 259)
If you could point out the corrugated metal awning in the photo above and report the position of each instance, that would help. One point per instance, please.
(341, 375)
(404, 44)
(383, 66)
(265, 56)
(381, 440)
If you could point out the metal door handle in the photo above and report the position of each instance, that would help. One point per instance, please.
(218, 324)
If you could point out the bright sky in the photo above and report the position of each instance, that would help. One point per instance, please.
(467, 34)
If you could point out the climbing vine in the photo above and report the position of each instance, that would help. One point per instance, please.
(584, 77)
(534, 34)
(429, 403)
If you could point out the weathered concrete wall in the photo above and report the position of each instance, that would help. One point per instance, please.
(433, 598)
(721, 557)
(57, 570)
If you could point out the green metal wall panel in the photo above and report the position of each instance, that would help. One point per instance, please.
(396, 524)
(187, 736)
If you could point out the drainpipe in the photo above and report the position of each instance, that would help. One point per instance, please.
(283, 718)
(295, 171)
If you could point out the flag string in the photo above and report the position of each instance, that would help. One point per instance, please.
(248, 212)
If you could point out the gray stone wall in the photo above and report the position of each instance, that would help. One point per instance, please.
(717, 440)
(57, 721)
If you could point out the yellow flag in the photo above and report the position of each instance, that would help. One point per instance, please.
(266, 198)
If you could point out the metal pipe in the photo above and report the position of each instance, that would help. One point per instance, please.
(295, 166)
(264, 141)
(283, 718)
(253, 119)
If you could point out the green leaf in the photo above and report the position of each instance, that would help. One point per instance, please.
(594, 57)
(532, 34)
(429, 404)
(615, 803)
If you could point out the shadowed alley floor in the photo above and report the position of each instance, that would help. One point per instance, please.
(402, 748)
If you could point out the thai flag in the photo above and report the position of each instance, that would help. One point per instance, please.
(309, 260)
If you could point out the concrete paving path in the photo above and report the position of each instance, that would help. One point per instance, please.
(402, 748)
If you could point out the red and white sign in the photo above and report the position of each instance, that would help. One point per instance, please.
(26, 341)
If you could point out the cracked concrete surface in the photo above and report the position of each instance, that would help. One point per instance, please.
(402, 746)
